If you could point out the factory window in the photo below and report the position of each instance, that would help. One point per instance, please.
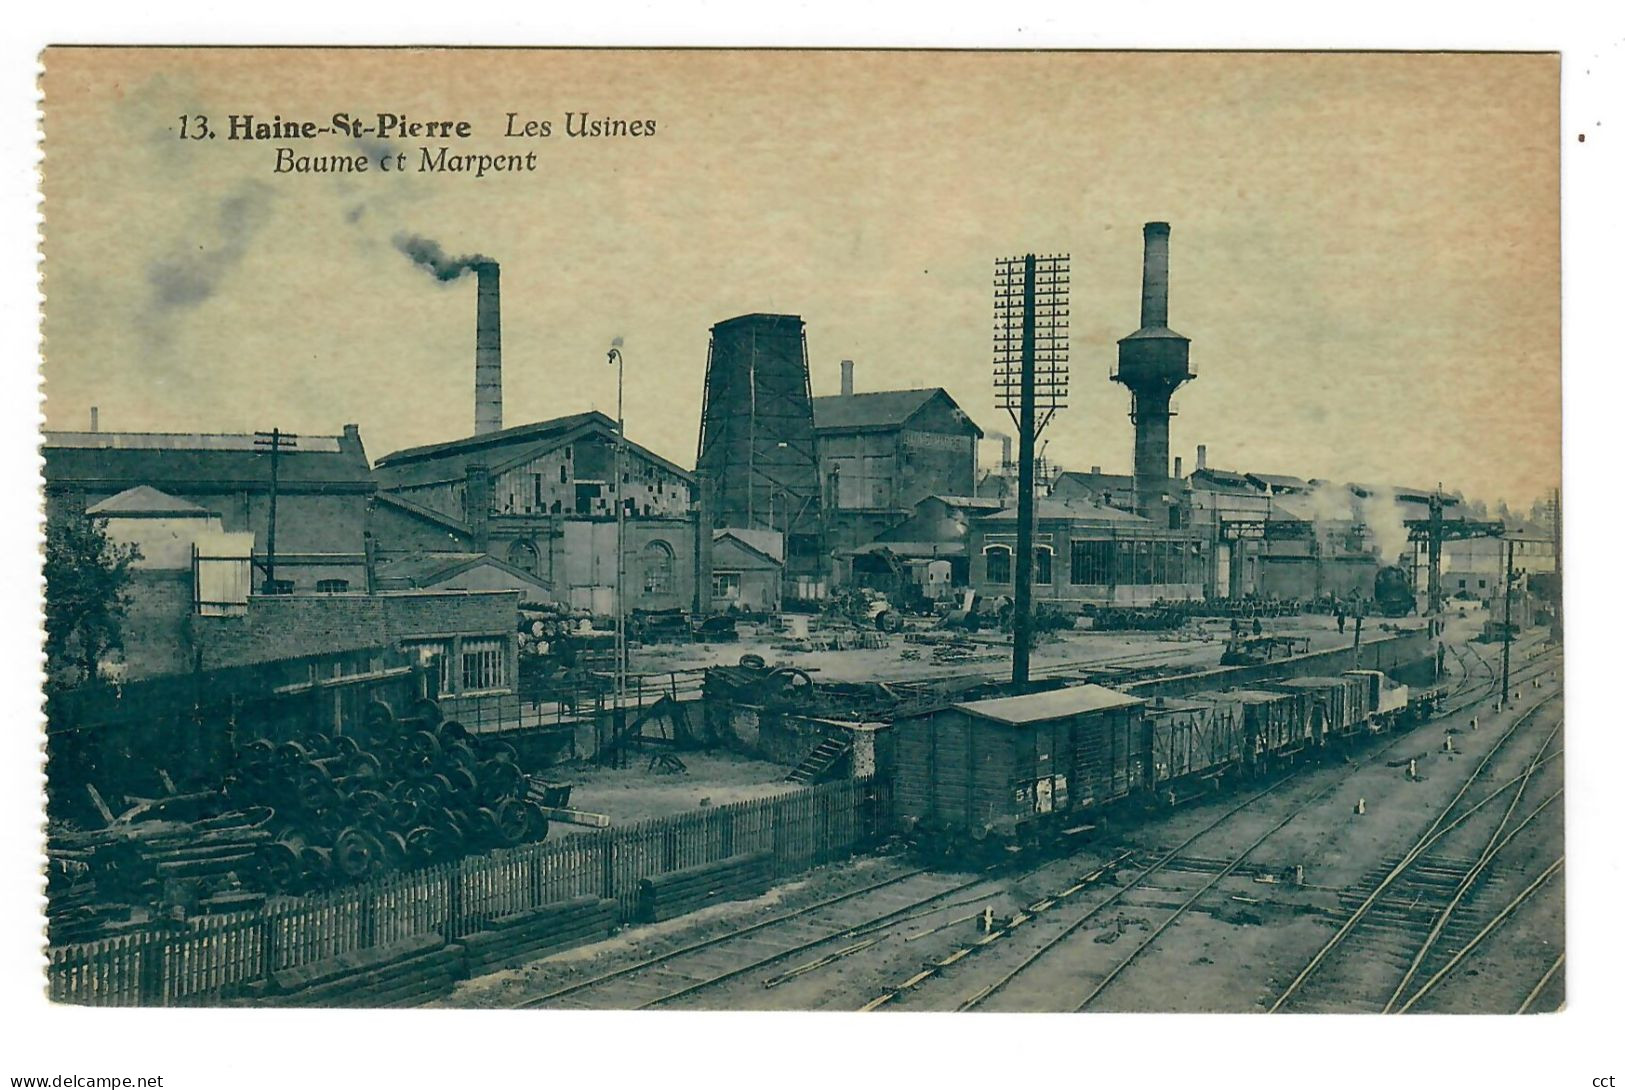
(332, 586)
(485, 664)
(659, 567)
(585, 495)
(725, 584)
(523, 555)
(1481, 584)
(436, 655)
(285, 586)
(998, 563)
(1043, 566)
(1091, 563)
(538, 501)
(1461, 584)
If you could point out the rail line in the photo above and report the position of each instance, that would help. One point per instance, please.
(1540, 985)
(1232, 865)
(1422, 845)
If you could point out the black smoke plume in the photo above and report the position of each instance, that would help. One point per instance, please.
(426, 252)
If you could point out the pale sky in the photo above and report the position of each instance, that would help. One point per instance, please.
(1364, 248)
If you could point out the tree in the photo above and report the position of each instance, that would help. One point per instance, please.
(86, 574)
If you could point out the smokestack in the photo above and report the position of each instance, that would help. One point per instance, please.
(1201, 456)
(1094, 471)
(1154, 284)
(846, 378)
(95, 419)
(488, 350)
(1179, 468)
(1004, 442)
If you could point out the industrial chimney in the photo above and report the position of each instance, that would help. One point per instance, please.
(846, 378)
(95, 419)
(1153, 362)
(488, 350)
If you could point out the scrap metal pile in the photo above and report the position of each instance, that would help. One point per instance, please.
(295, 817)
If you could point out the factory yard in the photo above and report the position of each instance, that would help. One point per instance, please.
(1406, 878)
(638, 792)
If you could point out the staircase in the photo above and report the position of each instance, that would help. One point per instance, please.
(821, 763)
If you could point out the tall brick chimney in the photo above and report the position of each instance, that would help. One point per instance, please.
(488, 350)
(846, 378)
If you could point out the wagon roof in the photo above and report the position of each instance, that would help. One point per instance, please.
(1055, 704)
(1256, 696)
(1312, 682)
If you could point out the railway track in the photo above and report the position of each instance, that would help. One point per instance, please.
(1219, 872)
(1422, 910)
(829, 932)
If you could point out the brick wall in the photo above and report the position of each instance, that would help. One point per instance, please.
(157, 639)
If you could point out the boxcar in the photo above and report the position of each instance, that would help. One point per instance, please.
(1198, 737)
(1275, 720)
(1007, 766)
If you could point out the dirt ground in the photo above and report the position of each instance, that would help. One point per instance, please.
(635, 793)
(1198, 647)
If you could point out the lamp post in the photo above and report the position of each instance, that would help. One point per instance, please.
(616, 358)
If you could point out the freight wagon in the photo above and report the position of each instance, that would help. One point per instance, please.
(1008, 767)
(1013, 771)
(1195, 740)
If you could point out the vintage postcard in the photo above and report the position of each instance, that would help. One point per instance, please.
(803, 530)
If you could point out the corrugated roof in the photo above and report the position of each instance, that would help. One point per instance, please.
(1055, 704)
(878, 410)
(193, 462)
(146, 500)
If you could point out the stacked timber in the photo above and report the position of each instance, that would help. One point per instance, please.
(520, 937)
(736, 878)
(407, 973)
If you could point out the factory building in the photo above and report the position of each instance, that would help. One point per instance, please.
(199, 598)
(323, 486)
(540, 501)
(1087, 554)
(880, 454)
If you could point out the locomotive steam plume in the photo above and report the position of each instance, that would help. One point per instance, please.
(432, 257)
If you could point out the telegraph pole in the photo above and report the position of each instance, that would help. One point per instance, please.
(1029, 347)
(276, 441)
(1506, 627)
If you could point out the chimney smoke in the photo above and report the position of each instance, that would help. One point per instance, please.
(846, 378)
(1154, 284)
(488, 349)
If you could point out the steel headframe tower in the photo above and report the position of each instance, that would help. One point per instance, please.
(1030, 320)
(1153, 362)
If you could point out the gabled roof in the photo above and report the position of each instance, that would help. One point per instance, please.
(1226, 479)
(428, 514)
(770, 543)
(192, 462)
(427, 569)
(880, 410)
(1096, 482)
(144, 501)
(1279, 481)
(438, 463)
(753, 541)
(1043, 707)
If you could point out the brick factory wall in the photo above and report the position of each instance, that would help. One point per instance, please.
(157, 639)
(397, 532)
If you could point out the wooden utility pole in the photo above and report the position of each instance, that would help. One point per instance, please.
(1022, 622)
(1506, 627)
(276, 441)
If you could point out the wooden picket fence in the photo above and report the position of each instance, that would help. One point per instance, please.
(209, 957)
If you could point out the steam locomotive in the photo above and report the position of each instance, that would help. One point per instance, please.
(1393, 592)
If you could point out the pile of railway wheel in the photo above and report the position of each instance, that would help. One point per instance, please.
(388, 795)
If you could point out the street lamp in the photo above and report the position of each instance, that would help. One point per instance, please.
(620, 533)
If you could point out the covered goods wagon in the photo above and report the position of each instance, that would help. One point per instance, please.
(1005, 767)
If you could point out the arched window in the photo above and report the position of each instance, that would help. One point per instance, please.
(659, 567)
(523, 555)
(998, 563)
